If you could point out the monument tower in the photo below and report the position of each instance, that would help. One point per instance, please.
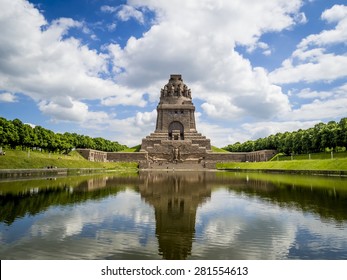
(175, 143)
(175, 139)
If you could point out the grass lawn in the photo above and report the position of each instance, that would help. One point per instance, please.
(324, 164)
(218, 150)
(34, 159)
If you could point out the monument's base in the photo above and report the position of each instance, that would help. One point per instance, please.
(161, 150)
(173, 160)
(177, 166)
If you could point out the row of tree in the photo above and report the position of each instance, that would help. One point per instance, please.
(332, 135)
(16, 134)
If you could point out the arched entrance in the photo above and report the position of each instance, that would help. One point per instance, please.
(176, 131)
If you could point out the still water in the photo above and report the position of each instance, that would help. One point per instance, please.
(188, 215)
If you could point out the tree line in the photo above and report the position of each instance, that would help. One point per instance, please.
(332, 136)
(15, 134)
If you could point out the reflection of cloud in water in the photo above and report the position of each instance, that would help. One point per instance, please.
(71, 220)
(237, 227)
(126, 215)
(196, 216)
(106, 245)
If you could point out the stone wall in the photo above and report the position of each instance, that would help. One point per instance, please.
(263, 155)
(225, 157)
(93, 155)
(127, 157)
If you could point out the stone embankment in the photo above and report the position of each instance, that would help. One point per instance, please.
(41, 172)
(290, 171)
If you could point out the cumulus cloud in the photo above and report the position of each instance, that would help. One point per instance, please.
(307, 93)
(43, 61)
(326, 67)
(263, 129)
(202, 49)
(195, 38)
(129, 131)
(124, 12)
(312, 61)
(193, 44)
(7, 97)
(337, 14)
(71, 110)
(128, 12)
(329, 109)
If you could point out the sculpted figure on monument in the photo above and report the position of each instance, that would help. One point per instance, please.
(176, 154)
(179, 90)
(172, 90)
(185, 91)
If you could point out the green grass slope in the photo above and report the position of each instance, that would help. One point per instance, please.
(324, 164)
(132, 149)
(218, 150)
(24, 160)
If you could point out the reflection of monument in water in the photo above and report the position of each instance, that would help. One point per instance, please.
(175, 198)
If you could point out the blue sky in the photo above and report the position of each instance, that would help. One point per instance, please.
(96, 67)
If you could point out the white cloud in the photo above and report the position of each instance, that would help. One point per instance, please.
(112, 26)
(43, 61)
(329, 109)
(195, 38)
(264, 129)
(108, 9)
(202, 49)
(325, 105)
(327, 67)
(337, 14)
(124, 12)
(8, 97)
(128, 131)
(128, 12)
(72, 111)
(300, 18)
(146, 118)
(260, 45)
(312, 60)
(307, 93)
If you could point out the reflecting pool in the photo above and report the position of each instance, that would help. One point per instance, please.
(174, 215)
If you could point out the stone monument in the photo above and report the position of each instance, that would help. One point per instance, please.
(175, 139)
(175, 143)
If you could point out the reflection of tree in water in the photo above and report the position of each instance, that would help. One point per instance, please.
(43, 194)
(175, 198)
(304, 193)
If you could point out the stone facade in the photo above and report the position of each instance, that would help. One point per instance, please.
(263, 155)
(93, 155)
(176, 141)
(127, 157)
